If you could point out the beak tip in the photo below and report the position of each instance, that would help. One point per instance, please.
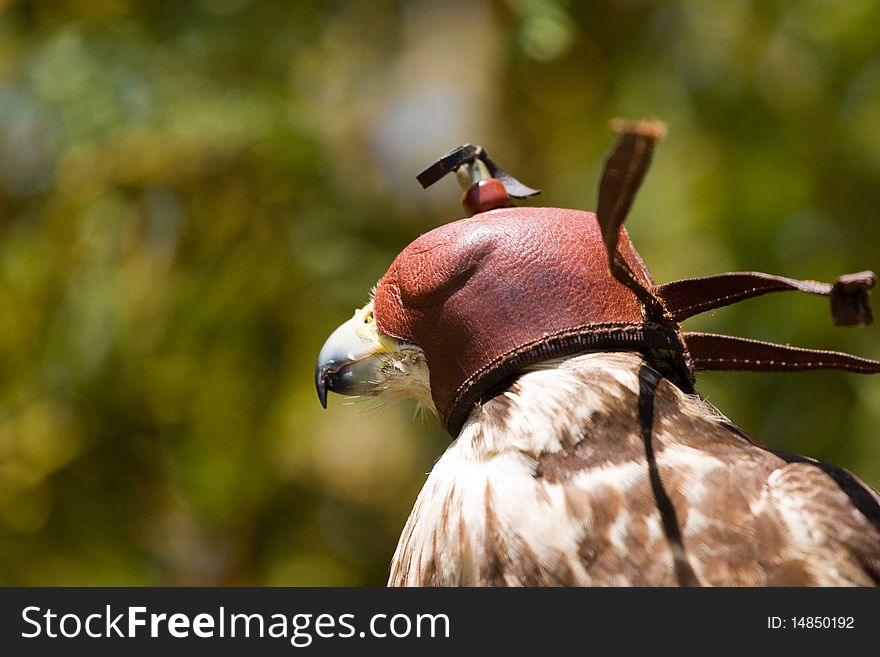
(321, 387)
(348, 363)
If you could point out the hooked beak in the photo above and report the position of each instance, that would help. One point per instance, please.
(350, 360)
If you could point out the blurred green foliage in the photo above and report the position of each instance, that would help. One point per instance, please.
(193, 194)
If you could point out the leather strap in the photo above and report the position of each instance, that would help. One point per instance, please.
(624, 170)
(674, 302)
(692, 296)
(710, 351)
(650, 339)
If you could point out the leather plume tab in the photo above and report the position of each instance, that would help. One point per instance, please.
(849, 299)
(513, 186)
(465, 154)
(447, 164)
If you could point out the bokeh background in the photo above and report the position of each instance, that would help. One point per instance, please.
(193, 194)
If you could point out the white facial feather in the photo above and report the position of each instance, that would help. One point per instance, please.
(403, 373)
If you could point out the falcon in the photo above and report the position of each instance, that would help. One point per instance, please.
(582, 453)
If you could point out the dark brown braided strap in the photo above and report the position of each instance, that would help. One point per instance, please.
(692, 296)
(709, 351)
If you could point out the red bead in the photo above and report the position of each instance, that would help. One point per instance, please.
(485, 195)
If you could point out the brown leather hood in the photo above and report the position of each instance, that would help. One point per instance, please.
(477, 290)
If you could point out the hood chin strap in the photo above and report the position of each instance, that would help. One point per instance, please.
(676, 301)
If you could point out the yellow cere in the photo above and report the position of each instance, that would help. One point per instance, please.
(365, 327)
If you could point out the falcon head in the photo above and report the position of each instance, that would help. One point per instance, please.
(466, 307)
(358, 360)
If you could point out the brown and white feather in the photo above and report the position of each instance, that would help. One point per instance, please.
(552, 482)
